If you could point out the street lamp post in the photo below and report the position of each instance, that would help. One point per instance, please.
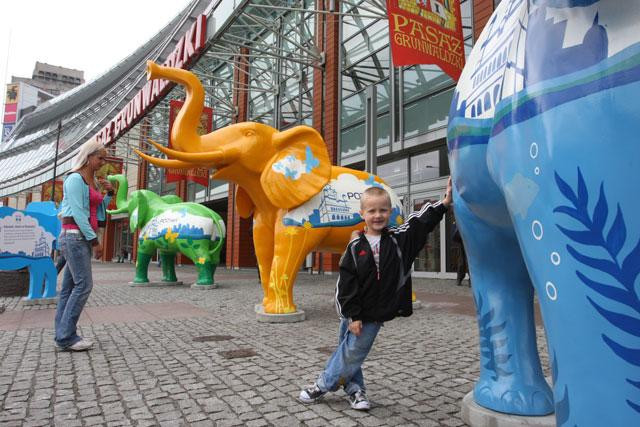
(55, 163)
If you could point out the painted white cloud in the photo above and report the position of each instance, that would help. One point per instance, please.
(290, 167)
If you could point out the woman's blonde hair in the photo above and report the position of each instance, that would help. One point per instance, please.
(86, 149)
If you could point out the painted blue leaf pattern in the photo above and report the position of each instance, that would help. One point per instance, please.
(617, 234)
(611, 292)
(565, 189)
(582, 236)
(631, 267)
(597, 263)
(628, 324)
(631, 355)
(601, 211)
(572, 212)
(625, 272)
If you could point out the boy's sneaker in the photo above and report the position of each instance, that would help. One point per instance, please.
(311, 394)
(359, 401)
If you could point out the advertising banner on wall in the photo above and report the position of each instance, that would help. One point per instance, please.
(10, 109)
(199, 175)
(113, 166)
(46, 191)
(427, 32)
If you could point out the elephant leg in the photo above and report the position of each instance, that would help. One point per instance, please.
(36, 279)
(291, 247)
(511, 378)
(51, 278)
(142, 265)
(263, 245)
(168, 266)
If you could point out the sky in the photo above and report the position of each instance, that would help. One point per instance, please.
(87, 35)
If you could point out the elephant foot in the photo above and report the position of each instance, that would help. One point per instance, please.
(170, 278)
(140, 280)
(273, 307)
(511, 398)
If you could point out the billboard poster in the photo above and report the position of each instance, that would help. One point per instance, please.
(427, 32)
(46, 191)
(199, 175)
(10, 109)
(113, 166)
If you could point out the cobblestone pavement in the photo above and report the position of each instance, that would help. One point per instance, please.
(153, 372)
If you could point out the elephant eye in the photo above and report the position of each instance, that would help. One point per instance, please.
(249, 133)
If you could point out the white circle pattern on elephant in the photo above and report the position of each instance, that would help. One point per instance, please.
(555, 258)
(536, 170)
(552, 292)
(533, 150)
(536, 229)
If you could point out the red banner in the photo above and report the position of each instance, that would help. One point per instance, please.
(427, 32)
(199, 175)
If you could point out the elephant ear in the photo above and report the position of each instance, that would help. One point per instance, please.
(244, 204)
(299, 169)
(140, 206)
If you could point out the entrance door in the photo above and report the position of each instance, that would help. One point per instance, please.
(432, 259)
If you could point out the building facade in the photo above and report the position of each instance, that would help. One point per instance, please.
(312, 62)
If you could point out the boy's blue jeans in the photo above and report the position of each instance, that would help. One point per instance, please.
(344, 365)
(76, 287)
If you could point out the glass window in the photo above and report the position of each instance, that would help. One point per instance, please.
(420, 80)
(425, 166)
(394, 173)
(352, 141)
(428, 258)
(427, 114)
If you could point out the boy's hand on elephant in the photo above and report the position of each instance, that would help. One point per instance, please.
(355, 327)
(448, 198)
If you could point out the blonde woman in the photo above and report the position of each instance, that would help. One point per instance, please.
(82, 209)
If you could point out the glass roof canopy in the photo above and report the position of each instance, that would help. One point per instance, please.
(276, 38)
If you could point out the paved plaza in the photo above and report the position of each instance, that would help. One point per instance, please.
(178, 356)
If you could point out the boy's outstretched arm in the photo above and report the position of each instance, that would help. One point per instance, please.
(412, 235)
(448, 198)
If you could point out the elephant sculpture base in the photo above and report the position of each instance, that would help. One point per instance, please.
(204, 287)
(155, 284)
(294, 317)
(39, 301)
(476, 416)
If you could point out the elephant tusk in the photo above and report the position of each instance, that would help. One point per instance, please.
(199, 158)
(164, 163)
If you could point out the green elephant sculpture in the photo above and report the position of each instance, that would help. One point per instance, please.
(169, 225)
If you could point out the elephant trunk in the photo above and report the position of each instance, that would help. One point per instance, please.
(121, 196)
(184, 133)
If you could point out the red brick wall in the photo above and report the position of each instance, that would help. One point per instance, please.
(326, 100)
(482, 10)
(240, 251)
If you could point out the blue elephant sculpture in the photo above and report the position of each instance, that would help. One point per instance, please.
(27, 239)
(544, 151)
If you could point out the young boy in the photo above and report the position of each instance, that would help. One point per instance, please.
(374, 286)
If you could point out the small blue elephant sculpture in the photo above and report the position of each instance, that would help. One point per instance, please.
(544, 151)
(27, 239)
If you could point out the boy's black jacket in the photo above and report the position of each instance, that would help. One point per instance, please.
(360, 294)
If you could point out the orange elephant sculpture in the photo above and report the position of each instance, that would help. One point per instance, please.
(299, 201)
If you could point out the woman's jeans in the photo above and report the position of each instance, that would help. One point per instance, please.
(344, 365)
(76, 287)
